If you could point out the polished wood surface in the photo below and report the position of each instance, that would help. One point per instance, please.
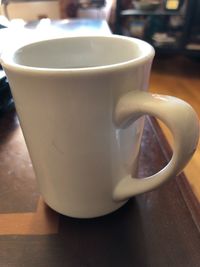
(180, 77)
(153, 229)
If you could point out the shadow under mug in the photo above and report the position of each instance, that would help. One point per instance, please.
(81, 102)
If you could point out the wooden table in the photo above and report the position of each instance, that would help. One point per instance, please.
(158, 228)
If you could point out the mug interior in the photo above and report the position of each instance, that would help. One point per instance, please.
(81, 52)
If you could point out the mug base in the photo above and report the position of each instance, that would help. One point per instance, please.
(88, 214)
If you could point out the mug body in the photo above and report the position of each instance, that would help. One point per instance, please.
(65, 92)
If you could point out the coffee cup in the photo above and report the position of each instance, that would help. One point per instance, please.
(81, 103)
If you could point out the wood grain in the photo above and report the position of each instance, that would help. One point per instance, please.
(153, 229)
(22, 210)
(43, 221)
(180, 77)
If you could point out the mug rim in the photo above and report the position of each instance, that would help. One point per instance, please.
(8, 62)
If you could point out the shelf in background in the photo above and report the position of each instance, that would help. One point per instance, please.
(193, 46)
(143, 24)
(166, 50)
(135, 12)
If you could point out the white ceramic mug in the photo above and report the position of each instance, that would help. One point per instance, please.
(79, 100)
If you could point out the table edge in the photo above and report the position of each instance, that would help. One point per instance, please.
(189, 197)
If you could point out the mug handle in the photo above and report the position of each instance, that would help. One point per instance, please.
(182, 121)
